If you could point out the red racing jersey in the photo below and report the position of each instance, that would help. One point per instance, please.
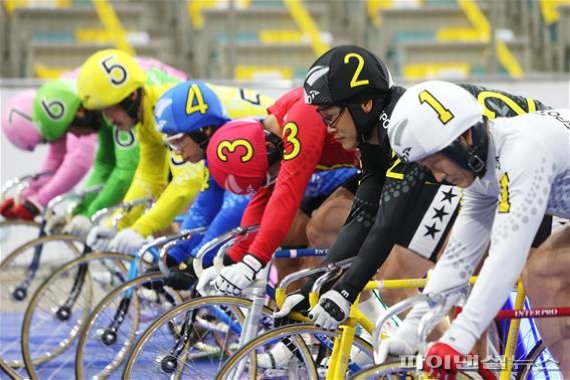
(308, 148)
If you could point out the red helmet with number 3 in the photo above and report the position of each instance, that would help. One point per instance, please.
(240, 153)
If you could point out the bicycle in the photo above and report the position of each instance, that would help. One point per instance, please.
(315, 353)
(116, 321)
(25, 268)
(413, 367)
(70, 291)
(194, 338)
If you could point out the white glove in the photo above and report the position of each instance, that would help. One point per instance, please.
(205, 282)
(55, 224)
(79, 226)
(236, 277)
(291, 301)
(404, 342)
(127, 241)
(331, 311)
(99, 238)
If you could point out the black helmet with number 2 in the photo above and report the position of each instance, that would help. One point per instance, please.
(347, 75)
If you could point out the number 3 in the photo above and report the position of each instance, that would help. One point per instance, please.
(117, 73)
(293, 130)
(444, 115)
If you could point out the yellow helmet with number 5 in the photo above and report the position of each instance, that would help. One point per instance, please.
(107, 78)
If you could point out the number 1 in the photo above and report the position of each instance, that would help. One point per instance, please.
(444, 115)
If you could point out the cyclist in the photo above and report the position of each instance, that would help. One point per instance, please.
(188, 132)
(313, 166)
(398, 206)
(68, 158)
(110, 80)
(513, 171)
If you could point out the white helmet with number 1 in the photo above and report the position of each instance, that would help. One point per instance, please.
(429, 117)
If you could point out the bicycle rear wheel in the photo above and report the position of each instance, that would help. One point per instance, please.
(192, 340)
(309, 350)
(115, 323)
(21, 273)
(60, 306)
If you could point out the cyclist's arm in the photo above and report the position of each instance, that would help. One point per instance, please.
(185, 185)
(70, 159)
(303, 136)
(523, 199)
(119, 174)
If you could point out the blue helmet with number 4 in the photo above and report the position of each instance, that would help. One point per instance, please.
(187, 108)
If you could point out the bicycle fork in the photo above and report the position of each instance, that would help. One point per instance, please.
(21, 291)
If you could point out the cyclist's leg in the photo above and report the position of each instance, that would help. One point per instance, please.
(327, 220)
(546, 278)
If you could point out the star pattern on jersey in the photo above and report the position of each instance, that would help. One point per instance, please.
(439, 213)
(431, 230)
(448, 195)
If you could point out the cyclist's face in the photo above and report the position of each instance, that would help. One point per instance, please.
(340, 124)
(118, 116)
(443, 168)
(186, 147)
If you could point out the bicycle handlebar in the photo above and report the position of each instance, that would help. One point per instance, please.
(167, 242)
(126, 206)
(20, 181)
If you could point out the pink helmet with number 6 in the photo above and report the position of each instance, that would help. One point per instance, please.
(17, 122)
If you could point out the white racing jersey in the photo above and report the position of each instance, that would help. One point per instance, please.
(528, 175)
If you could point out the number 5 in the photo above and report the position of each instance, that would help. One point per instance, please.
(114, 70)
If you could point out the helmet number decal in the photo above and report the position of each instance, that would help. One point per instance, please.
(504, 203)
(291, 130)
(116, 72)
(256, 101)
(495, 98)
(355, 82)
(231, 147)
(444, 115)
(54, 109)
(195, 101)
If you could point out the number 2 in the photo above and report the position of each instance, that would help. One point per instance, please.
(444, 115)
(355, 82)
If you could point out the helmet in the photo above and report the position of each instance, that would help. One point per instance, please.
(187, 108)
(431, 116)
(240, 153)
(55, 106)
(107, 78)
(348, 75)
(17, 122)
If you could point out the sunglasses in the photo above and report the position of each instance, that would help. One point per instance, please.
(329, 119)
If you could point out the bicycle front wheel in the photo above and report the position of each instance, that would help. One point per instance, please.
(21, 273)
(192, 340)
(115, 323)
(59, 308)
(300, 351)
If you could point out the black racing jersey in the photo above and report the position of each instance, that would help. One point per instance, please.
(375, 225)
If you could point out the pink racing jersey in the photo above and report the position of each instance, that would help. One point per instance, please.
(68, 159)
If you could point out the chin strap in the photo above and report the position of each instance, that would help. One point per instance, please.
(471, 157)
